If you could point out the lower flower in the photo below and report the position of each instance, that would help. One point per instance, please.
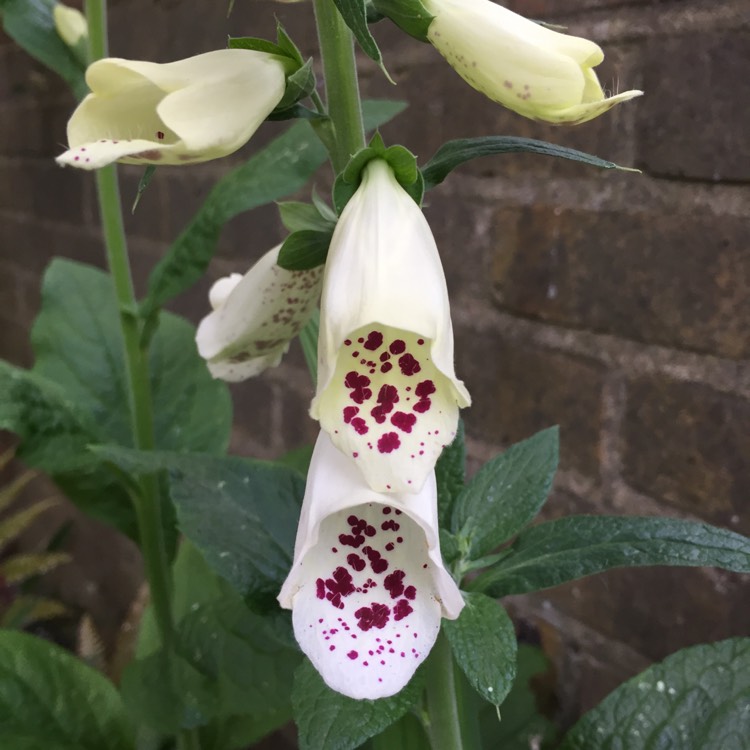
(367, 587)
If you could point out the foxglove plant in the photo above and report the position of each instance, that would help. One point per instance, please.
(397, 564)
(387, 393)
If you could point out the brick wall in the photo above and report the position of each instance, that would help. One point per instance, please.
(615, 305)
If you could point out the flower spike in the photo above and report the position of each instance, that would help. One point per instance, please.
(367, 588)
(182, 112)
(387, 391)
(255, 317)
(533, 70)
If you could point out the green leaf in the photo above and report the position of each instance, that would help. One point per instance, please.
(31, 24)
(327, 719)
(696, 699)
(281, 168)
(450, 472)
(304, 250)
(49, 699)
(354, 13)
(576, 546)
(254, 43)
(296, 216)
(483, 642)
(506, 494)
(240, 513)
(454, 153)
(409, 15)
(298, 459)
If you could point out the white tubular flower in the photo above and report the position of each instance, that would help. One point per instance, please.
(367, 588)
(255, 317)
(387, 391)
(537, 72)
(70, 24)
(182, 112)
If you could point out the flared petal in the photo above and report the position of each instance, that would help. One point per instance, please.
(533, 70)
(255, 317)
(367, 587)
(187, 111)
(387, 390)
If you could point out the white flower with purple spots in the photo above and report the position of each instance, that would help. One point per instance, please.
(367, 587)
(255, 317)
(387, 390)
(182, 112)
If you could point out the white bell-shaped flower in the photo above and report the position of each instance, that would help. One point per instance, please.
(367, 588)
(533, 70)
(387, 390)
(255, 317)
(182, 112)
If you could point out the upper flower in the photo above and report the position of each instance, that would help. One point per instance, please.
(367, 586)
(187, 111)
(255, 317)
(70, 24)
(520, 64)
(387, 391)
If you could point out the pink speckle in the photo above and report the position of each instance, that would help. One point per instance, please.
(352, 654)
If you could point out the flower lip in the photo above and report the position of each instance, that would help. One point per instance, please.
(367, 586)
(188, 111)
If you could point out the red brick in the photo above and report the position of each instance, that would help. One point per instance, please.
(693, 122)
(517, 391)
(689, 445)
(679, 280)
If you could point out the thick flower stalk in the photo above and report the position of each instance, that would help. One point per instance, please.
(531, 69)
(255, 317)
(367, 588)
(387, 392)
(182, 112)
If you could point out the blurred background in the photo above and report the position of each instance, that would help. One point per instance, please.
(616, 305)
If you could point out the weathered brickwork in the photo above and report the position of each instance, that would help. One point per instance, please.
(615, 305)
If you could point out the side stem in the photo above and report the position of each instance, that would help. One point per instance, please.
(342, 89)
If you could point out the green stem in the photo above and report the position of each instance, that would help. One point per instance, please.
(342, 90)
(444, 726)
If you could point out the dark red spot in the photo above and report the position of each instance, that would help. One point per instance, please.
(320, 589)
(370, 531)
(349, 413)
(384, 357)
(388, 442)
(374, 340)
(356, 562)
(394, 583)
(425, 388)
(386, 511)
(389, 547)
(385, 367)
(358, 383)
(403, 421)
(374, 616)
(352, 655)
(422, 405)
(401, 610)
(409, 366)
(360, 426)
(349, 540)
(420, 341)
(390, 525)
(332, 648)
(160, 135)
(397, 347)
(348, 342)
(410, 592)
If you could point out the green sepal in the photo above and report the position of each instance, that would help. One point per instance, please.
(409, 15)
(296, 215)
(304, 250)
(299, 85)
(354, 13)
(254, 43)
(401, 161)
(454, 153)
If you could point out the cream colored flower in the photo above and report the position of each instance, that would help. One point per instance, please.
(539, 73)
(182, 112)
(70, 24)
(255, 317)
(367, 588)
(387, 394)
